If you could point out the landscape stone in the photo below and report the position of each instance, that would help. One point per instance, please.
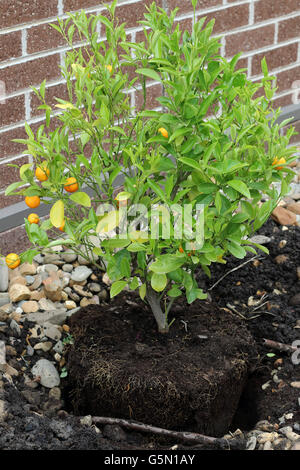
(47, 372)
(51, 331)
(37, 282)
(55, 393)
(15, 327)
(49, 268)
(29, 280)
(64, 296)
(82, 261)
(56, 317)
(70, 304)
(4, 299)
(27, 268)
(37, 295)
(46, 304)
(260, 239)
(103, 295)
(18, 280)
(53, 288)
(30, 306)
(94, 287)
(45, 346)
(69, 256)
(79, 290)
(51, 258)
(284, 216)
(39, 258)
(59, 347)
(19, 292)
(281, 259)
(2, 356)
(68, 268)
(93, 301)
(4, 276)
(295, 207)
(81, 273)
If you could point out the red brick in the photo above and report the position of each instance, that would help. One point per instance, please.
(43, 37)
(29, 73)
(9, 148)
(283, 101)
(185, 5)
(24, 11)
(229, 18)
(286, 79)
(295, 139)
(72, 5)
(10, 45)
(266, 9)
(250, 40)
(8, 174)
(15, 240)
(56, 91)
(242, 63)
(289, 29)
(153, 92)
(134, 12)
(275, 58)
(185, 25)
(12, 111)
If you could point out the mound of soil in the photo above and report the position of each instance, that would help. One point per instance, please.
(190, 379)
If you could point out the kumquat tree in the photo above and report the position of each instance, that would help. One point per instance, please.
(193, 171)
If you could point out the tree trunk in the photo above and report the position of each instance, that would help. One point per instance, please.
(160, 317)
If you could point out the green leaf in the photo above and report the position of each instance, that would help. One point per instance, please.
(142, 291)
(236, 250)
(115, 243)
(109, 222)
(156, 188)
(194, 294)
(190, 162)
(174, 292)
(207, 188)
(57, 214)
(84, 137)
(81, 198)
(117, 287)
(123, 196)
(12, 187)
(240, 187)
(150, 74)
(136, 247)
(23, 170)
(134, 283)
(158, 282)
(167, 263)
(180, 132)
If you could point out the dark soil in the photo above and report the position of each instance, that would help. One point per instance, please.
(275, 319)
(37, 421)
(190, 379)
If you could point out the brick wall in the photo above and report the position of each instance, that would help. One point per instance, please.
(30, 50)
